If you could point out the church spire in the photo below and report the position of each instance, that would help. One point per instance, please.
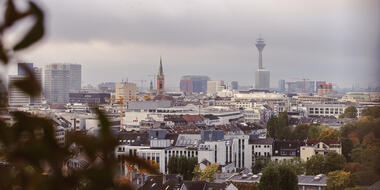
(160, 71)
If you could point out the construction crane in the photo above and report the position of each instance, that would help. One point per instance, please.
(121, 109)
(304, 83)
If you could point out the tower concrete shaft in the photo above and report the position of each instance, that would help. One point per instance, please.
(260, 46)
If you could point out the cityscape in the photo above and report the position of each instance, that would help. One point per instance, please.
(170, 127)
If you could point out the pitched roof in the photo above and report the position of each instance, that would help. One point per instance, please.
(192, 118)
(326, 141)
(194, 185)
(268, 141)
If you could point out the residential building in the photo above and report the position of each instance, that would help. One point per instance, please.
(283, 150)
(322, 147)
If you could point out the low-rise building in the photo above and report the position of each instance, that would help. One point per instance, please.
(322, 147)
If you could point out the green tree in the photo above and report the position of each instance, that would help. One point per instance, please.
(296, 164)
(288, 178)
(338, 180)
(182, 165)
(350, 112)
(315, 165)
(270, 180)
(300, 132)
(260, 163)
(334, 161)
(272, 126)
(371, 111)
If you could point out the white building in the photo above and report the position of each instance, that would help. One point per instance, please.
(325, 109)
(213, 86)
(322, 147)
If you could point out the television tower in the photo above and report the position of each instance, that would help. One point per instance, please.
(260, 46)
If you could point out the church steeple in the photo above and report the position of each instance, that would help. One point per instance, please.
(161, 70)
(160, 80)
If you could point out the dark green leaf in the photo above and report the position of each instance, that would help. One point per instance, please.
(36, 32)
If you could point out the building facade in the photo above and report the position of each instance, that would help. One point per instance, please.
(126, 91)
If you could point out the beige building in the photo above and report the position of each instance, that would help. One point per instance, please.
(313, 147)
(125, 90)
(213, 86)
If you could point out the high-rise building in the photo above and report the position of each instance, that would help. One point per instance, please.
(60, 79)
(75, 77)
(214, 86)
(126, 91)
(325, 89)
(262, 79)
(281, 85)
(235, 85)
(160, 80)
(194, 84)
(317, 83)
(18, 98)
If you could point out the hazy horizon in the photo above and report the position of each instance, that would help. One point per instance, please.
(337, 41)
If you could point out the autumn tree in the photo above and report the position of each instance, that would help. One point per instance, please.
(208, 174)
(373, 111)
(338, 180)
(300, 132)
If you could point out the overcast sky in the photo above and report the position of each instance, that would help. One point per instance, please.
(333, 40)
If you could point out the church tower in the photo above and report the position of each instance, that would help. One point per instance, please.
(160, 80)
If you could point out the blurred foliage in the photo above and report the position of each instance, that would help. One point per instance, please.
(31, 157)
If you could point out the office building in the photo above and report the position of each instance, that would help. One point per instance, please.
(60, 79)
(18, 98)
(317, 83)
(325, 89)
(194, 84)
(88, 98)
(281, 85)
(235, 85)
(126, 91)
(75, 77)
(213, 86)
(262, 77)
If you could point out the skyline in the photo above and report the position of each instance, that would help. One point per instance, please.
(214, 38)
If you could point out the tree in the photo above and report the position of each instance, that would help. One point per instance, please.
(338, 180)
(270, 180)
(330, 134)
(350, 112)
(208, 174)
(315, 165)
(314, 131)
(260, 163)
(288, 178)
(334, 161)
(272, 126)
(371, 111)
(296, 164)
(182, 165)
(300, 132)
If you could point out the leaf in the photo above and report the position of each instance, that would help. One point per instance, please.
(11, 15)
(29, 84)
(3, 54)
(36, 32)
